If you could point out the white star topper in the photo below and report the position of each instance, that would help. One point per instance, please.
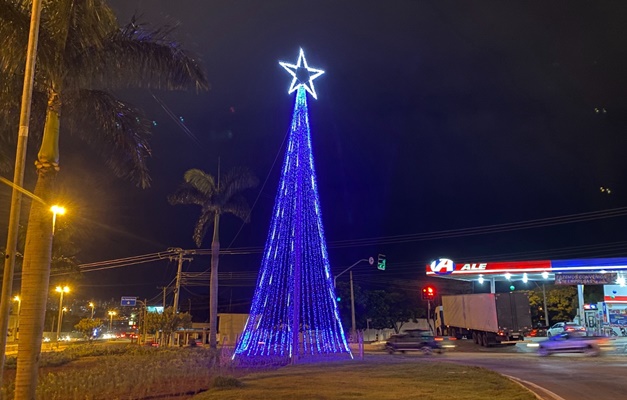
(298, 72)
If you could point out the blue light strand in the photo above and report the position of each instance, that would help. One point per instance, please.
(296, 233)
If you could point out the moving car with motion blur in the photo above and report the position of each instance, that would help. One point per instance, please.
(574, 342)
(413, 339)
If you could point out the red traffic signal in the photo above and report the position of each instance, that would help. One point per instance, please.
(428, 293)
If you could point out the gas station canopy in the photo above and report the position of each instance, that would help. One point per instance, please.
(587, 271)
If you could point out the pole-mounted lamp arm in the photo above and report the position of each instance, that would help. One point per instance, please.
(346, 270)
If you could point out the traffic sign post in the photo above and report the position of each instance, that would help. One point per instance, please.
(129, 301)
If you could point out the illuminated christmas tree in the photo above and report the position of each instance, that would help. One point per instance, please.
(294, 311)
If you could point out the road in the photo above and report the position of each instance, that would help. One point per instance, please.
(562, 376)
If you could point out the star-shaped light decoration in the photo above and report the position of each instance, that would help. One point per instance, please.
(303, 75)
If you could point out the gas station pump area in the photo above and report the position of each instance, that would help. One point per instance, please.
(608, 317)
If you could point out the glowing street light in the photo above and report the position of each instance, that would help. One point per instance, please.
(92, 305)
(111, 314)
(56, 210)
(60, 290)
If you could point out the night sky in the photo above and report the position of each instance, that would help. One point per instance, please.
(431, 116)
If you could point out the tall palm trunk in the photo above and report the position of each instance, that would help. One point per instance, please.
(34, 292)
(213, 284)
(37, 256)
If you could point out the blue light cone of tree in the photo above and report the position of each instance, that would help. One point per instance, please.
(295, 272)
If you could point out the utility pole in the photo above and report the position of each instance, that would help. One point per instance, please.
(164, 288)
(18, 181)
(177, 289)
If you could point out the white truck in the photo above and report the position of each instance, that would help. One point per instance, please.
(487, 318)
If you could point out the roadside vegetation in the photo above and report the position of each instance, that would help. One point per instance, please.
(377, 377)
(123, 371)
(120, 372)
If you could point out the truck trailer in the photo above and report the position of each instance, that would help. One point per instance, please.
(487, 318)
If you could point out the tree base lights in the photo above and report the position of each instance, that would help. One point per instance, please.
(294, 312)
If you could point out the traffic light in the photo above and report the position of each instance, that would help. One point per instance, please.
(428, 293)
(381, 262)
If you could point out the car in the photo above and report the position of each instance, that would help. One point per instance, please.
(564, 327)
(572, 342)
(413, 339)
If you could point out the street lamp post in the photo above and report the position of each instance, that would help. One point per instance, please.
(61, 290)
(17, 316)
(56, 210)
(18, 180)
(111, 314)
(92, 305)
(371, 261)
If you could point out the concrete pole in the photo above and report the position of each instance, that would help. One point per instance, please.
(178, 282)
(580, 301)
(546, 310)
(353, 329)
(60, 318)
(18, 180)
(177, 290)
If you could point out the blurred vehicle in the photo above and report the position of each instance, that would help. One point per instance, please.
(573, 342)
(564, 327)
(413, 339)
(540, 331)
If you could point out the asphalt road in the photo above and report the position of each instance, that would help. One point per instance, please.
(561, 376)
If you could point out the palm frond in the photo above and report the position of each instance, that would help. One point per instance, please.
(187, 194)
(14, 29)
(10, 98)
(237, 180)
(116, 129)
(136, 57)
(204, 182)
(202, 225)
(239, 207)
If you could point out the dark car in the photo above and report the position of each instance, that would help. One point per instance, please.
(413, 339)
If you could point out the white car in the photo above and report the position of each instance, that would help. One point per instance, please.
(564, 327)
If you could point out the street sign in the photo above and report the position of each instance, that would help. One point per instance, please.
(129, 301)
(585, 279)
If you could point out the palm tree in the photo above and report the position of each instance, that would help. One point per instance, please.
(82, 52)
(200, 188)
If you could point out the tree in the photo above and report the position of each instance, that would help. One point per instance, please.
(214, 199)
(82, 52)
(167, 322)
(561, 302)
(391, 309)
(385, 309)
(86, 326)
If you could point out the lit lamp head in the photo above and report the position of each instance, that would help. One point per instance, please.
(64, 289)
(17, 298)
(57, 210)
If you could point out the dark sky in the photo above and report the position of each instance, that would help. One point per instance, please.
(432, 115)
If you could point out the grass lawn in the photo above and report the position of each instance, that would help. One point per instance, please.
(376, 377)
